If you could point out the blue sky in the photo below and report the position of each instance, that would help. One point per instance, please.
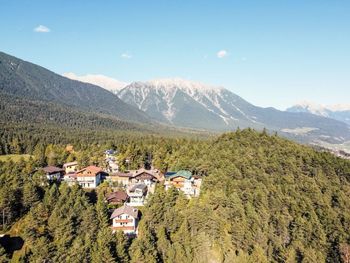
(277, 52)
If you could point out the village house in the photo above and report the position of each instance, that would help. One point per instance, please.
(112, 165)
(125, 218)
(71, 167)
(137, 194)
(121, 179)
(89, 177)
(117, 198)
(53, 173)
(147, 177)
(109, 154)
(70, 178)
(183, 180)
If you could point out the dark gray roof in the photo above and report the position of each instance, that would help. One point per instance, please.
(52, 169)
(138, 186)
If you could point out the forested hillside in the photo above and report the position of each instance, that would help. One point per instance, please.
(31, 82)
(263, 199)
(28, 123)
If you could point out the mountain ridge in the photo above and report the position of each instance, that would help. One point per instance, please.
(33, 82)
(179, 103)
(191, 104)
(338, 112)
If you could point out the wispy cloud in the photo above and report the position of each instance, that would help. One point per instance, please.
(42, 29)
(126, 55)
(222, 53)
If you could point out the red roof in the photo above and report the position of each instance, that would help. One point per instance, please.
(89, 171)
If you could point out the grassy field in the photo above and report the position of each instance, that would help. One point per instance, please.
(14, 157)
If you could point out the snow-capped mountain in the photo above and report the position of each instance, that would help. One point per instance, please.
(338, 112)
(196, 105)
(103, 81)
(187, 103)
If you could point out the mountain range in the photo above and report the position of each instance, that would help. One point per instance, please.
(32, 93)
(337, 112)
(192, 104)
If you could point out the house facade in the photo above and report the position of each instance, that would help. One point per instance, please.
(137, 194)
(53, 173)
(70, 179)
(184, 181)
(122, 179)
(89, 177)
(109, 154)
(147, 177)
(125, 218)
(71, 167)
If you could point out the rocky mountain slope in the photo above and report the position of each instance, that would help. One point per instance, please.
(337, 112)
(191, 104)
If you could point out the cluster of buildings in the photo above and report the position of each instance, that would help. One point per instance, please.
(138, 185)
(132, 188)
(89, 177)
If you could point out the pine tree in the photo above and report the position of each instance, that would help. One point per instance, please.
(102, 210)
(122, 244)
(30, 195)
(104, 248)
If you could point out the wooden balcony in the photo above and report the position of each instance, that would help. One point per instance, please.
(123, 220)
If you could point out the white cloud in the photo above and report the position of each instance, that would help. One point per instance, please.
(126, 55)
(105, 82)
(42, 29)
(222, 53)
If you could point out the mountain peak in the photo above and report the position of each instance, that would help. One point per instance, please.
(100, 80)
(182, 84)
(340, 112)
(314, 107)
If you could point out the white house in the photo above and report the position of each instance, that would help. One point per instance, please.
(109, 154)
(70, 179)
(113, 167)
(137, 194)
(89, 177)
(53, 172)
(147, 177)
(184, 181)
(125, 218)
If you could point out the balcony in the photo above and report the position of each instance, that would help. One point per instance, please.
(123, 220)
